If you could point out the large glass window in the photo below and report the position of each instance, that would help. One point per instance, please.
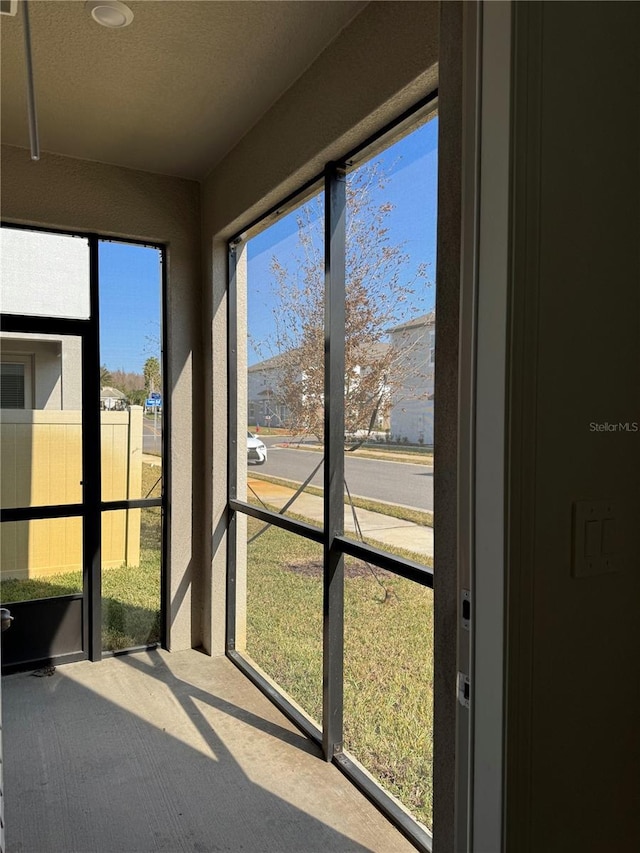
(285, 364)
(331, 569)
(390, 332)
(41, 558)
(41, 440)
(131, 418)
(131, 551)
(131, 383)
(286, 642)
(388, 682)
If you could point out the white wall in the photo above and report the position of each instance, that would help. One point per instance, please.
(412, 413)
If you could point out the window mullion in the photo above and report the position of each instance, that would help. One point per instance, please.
(232, 453)
(334, 335)
(91, 463)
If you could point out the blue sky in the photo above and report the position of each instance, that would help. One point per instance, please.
(411, 166)
(130, 302)
(130, 275)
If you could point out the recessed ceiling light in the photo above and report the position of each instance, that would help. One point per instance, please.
(109, 13)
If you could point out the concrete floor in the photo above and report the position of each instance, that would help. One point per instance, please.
(170, 752)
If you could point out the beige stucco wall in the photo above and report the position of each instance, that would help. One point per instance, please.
(379, 66)
(73, 194)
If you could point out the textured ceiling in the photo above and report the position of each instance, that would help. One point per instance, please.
(171, 93)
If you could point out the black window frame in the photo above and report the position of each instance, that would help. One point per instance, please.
(92, 506)
(331, 535)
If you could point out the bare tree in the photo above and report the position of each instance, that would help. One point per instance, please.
(127, 381)
(380, 292)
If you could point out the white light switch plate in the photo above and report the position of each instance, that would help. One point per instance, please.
(595, 538)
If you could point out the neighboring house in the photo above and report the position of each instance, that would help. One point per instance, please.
(408, 411)
(411, 413)
(112, 400)
(267, 401)
(40, 372)
(264, 395)
(44, 372)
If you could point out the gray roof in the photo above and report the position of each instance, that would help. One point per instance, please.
(423, 320)
(268, 363)
(113, 393)
(376, 349)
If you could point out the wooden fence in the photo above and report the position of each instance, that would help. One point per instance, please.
(41, 465)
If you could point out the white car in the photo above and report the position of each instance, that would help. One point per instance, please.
(256, 450)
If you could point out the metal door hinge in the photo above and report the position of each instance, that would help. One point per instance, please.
(465, 609)
(464, 690)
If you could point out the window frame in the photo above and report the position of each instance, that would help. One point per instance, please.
(92, 506)
(331, 535)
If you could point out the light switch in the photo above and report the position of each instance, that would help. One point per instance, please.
(594, 540)
(609, 544)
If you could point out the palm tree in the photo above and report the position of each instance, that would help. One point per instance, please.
(105, 376)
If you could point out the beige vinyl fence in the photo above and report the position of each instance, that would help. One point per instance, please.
(41, 465)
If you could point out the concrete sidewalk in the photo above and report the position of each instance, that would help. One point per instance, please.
(376, 527)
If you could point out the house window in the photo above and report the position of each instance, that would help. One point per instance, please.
(330, 570)
(12, 386)
(15, 382)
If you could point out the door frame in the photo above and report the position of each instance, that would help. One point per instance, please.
(91, 508)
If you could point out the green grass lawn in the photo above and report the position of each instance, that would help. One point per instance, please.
(131, 594)
(388, 667)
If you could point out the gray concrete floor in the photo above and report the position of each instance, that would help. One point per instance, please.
(170, 752)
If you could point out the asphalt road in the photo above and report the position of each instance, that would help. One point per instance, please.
(394, 482)
(152, 434)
